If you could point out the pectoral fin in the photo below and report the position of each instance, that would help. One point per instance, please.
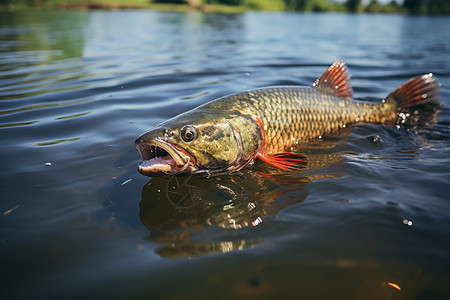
(285, 160)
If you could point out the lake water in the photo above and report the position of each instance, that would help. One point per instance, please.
(370, 219)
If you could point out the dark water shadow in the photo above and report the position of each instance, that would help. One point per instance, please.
(195, 216)
(192, 216)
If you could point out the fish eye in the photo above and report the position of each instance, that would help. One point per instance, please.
(188, 133)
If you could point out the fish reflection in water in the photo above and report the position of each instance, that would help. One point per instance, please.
(192, 216)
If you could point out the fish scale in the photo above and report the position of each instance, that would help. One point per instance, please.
(293, 115)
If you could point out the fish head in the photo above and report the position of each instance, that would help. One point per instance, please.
(198, 142)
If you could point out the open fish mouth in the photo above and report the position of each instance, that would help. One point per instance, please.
(160, 157)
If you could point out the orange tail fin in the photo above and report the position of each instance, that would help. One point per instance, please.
(418, 100)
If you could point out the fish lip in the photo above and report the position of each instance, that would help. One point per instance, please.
(176, 160)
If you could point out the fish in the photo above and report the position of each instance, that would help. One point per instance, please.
(269, 124)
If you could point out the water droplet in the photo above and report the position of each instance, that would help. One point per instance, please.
(375, 140)
(407, 222)
(48, 164)
(257, 221)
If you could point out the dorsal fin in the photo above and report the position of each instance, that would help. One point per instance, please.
(335, 81)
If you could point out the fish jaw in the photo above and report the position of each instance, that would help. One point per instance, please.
(162, 158)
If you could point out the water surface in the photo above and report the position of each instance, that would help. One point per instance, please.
(369, 219)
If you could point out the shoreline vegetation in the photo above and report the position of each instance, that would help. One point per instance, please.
(434, 7)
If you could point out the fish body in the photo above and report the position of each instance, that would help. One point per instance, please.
(293, 115)
(269, 124)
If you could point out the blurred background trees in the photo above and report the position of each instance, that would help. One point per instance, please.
(354, 6)
(409, 6)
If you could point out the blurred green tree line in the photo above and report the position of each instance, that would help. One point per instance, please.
(408, 6)
(395, 6)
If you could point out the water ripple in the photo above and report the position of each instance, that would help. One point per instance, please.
(41, 106)
(19, 124)
(56, 142)
(76, 88)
